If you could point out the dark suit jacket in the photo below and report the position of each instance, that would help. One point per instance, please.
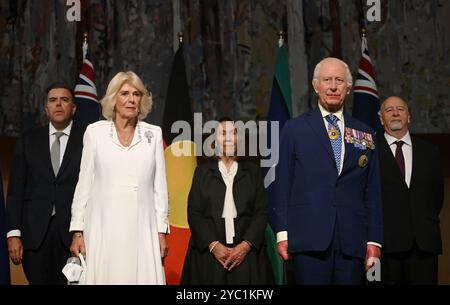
(412, 215)
(310, 195)
(33, 187)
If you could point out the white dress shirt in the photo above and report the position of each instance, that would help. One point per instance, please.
(407, 152)
(63, 144)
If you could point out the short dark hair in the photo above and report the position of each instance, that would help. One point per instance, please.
(60, 85)
(225, 119)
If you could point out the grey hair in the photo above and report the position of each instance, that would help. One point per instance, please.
(121, 78)
(348, 74)
(394, 96)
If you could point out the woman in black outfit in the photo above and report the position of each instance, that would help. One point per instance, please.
(227, 216)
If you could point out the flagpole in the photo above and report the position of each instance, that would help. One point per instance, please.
(363, 39)
(85, 45)
(280, 38)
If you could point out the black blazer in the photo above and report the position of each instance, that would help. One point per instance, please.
(205, 208)
(206, 205)
(33, 187)
(412, 215)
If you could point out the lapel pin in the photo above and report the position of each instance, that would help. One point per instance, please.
(149, 135)
(362, 161)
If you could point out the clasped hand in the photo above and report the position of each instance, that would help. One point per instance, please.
(231, 258)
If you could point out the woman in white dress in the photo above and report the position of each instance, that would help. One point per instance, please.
(120, 206)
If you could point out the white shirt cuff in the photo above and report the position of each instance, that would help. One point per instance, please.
(282, 236)
(163, 227)
(374, 244)
(13, 233)
(76, 226)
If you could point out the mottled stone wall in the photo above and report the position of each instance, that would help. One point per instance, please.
(38, 46)
(410, 50)
(230, 52)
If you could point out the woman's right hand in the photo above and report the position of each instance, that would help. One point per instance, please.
(77, 245)
(221, 253)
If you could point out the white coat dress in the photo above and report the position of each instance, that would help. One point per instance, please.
(120, 204)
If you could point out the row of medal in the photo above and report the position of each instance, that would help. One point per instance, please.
(359, 139)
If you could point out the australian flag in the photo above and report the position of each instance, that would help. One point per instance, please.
(366, 101)
(88, 110)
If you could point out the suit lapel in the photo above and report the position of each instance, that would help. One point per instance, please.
(72, 142)
(349, 148)
(113, 135)
(241, 173)
(137, 136)
(242, 170)
(315, 120)
(217, 206)
(43, 137)
(415, 156)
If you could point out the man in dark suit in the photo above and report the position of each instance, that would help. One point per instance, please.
(412, 195)
(327, 213)
(44, 174)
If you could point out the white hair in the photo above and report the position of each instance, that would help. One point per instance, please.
(348, 74)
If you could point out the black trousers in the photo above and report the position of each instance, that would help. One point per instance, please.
(44, 265)
(413, 267)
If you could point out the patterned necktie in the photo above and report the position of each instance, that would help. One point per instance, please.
(55, 152)
(399, 158)
(335, 136)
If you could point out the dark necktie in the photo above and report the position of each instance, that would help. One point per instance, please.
(399, 157)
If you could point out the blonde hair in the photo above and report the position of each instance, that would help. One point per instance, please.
(108, 102)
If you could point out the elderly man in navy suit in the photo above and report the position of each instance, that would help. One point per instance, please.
(327, 213)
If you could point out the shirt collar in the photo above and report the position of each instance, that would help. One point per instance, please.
(391, 140)
(224, 171)
(66, 130)
(339, 114)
